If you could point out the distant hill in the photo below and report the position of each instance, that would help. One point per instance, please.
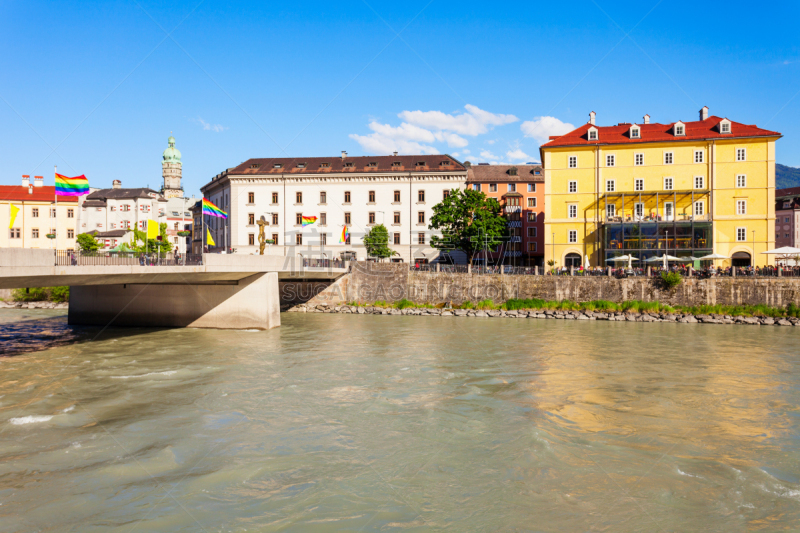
(786, 177)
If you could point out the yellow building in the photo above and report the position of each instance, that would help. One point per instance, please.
(684, 188)
(35, 214)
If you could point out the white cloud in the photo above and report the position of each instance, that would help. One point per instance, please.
(210, 127)
(474, 122)
(405, 138)
(518, 155)
(541, 128)
(486, 154)
(491, 141)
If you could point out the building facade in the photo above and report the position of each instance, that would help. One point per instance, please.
(787, 217)
(683, 188)
(353, 192)
(39, 221)
(111, 214)
(520, 191)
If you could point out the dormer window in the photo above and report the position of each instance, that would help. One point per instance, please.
(592, 133)
(420, 163)
(512, 171)
(255, 165)
(348, 165)
(301, 165)
(397, 164)
(725, 126)
(277, 165)
(679, 129)
(636, 132)
(324, 165)
(372, 164)
(444, 164)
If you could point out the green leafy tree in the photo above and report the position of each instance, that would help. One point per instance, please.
(377, 242)
(87, 243)
(469, 221)
(141, 244)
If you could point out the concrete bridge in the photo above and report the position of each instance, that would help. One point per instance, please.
(218, 291)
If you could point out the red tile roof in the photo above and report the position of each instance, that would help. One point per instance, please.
(791, 191)
(314, 165)
(697, 130)
(45, 193)
(487, 173)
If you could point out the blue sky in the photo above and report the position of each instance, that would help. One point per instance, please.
(96, 88)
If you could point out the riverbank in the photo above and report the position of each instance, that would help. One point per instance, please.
(33, 305)
(553, 314)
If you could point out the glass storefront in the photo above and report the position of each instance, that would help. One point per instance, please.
(645, 240)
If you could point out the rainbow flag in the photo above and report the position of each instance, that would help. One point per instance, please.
(308, 221)
(77, 186)
(212, 210)
(345, 235)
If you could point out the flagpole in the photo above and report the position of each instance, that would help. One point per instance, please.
(55, 193)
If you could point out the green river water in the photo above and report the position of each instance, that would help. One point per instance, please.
(399, 423)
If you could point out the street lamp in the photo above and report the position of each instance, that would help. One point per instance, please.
(553, 259)
(753, 262)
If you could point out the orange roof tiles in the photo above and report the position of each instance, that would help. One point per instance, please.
(45, 193)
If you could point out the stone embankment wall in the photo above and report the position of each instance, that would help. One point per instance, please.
(391, 282)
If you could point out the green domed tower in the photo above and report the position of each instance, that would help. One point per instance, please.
(171, 171)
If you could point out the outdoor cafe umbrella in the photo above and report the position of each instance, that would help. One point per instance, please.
(786, 250)
(713, 257)
(627, 258)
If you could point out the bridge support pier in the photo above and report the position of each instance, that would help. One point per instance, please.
(250, 303)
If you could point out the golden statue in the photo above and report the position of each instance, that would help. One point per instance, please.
(262, 240)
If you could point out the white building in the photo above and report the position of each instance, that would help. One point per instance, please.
(357, 192)
(112, 213)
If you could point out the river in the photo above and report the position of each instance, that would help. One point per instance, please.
(399, 423)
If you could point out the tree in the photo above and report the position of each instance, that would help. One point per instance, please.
(469, 221)
(151, 246)
(377, 242)
(87, 243)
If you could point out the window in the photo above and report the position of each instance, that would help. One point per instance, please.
(573, 186)
(420, 238)
(573, 211)
(298, 239)
(277, 165)
(573, 161)
(274, 198)
(251, 197)
(741, 207)
(492, 187)
(298, 221)
(347, 197)
(512, 187)
(667, 184)
(741, 154)
(592, 135)
(348, 165)
(532, 246)
(532, 232)
(445, 194)
(420, 163)
(668, 158)
(531, 202)
(741, 234)
(421, 196)
(397, 238)
(724, 127)
(323, 197)
(611, 185)
(274, 238)
(347, 219)
(699, 208)
(251, 239)
(371, 217)
(274, 219)
(638, 184)
(251, 219)
(634, 132)
(610, 160)
(786, 220)
(35, 233)
(421, 217)
(699, 182)
(347, 238)
(397, 197)
(371, 197)
(14, 233)
(52, 213)
(70, 234)
(397, 217)
(573, 236)
(323, 219)
(476, 187)
(323, 239)
(679, 130)
(531, 187)
(298, 197)
(372, 164)
(611, 210)
(301, 165)
(699, 156)
(741, 181)
(35, 212)
(531, 217)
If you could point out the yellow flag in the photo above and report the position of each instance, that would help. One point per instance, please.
(14, 211)
(152, 229)
(209, 240)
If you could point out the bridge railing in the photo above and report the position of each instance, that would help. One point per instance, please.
(78, 258)
(313, 262)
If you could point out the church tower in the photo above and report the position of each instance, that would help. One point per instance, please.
(171, 171)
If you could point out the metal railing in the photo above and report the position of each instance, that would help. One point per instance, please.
(78, 258)
(311, 262)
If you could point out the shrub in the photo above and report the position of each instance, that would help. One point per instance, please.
(671, 279)
(59, 294)
(485, 304)
(467, 305)
(404, 304)
(34, 294)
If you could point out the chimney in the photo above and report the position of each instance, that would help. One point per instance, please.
(26, 180)
(344, 155)
(30, 189)
(704, 113)
(394, 154)
(646, 119)
(38, 181)
(591, 117)
(116, 184)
